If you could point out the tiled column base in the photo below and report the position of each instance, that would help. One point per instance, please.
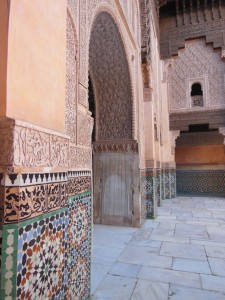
(167, 184)
(163, 184)
(159, 186)
(46, 236)
(169, 176)
(173, 183)
(149, 193)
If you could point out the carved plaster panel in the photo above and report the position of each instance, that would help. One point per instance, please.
(80, 157)
(6, 142)
(196, 61)
(111, 80)
(85, 127)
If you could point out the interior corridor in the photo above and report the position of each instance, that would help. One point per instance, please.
(178, 256)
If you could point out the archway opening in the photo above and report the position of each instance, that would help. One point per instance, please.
(110, 101)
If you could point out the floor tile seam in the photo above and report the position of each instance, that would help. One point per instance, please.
(203, 260)
(191, 260)
(134, 289)
(205, 289)
(126, 276)
(169, 282)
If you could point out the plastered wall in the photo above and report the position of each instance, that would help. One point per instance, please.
(36, 63)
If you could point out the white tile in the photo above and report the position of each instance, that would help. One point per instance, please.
(146, 290)
(163, 231)
(217, 266)
(98, 272)
(184, 293)
(166, 226)
(150, 224)
(142, 234)
(183, 250)
(213, 283)
(191, 265)
(144, 256)
(206, 242)
(215, 251)
(170, 276)
(174, 239)
(146, 243)
(115, 287)
(216, 233)
(123, 269)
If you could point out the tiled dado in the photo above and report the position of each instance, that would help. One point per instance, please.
(156, 185)
(148, 192)
(48, 257)
(201, 181)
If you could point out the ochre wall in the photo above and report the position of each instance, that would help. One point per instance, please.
(3, 54)
(37, 63)
(208, 154)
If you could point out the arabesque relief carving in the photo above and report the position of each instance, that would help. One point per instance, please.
(110, 77)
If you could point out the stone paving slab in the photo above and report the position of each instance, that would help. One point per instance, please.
(217, 266)
(177, 292)
(145, 256)
(191, 265)
(213, 283)
(183, 251)
(215, 251)
(170, 276)
(146, 290)
(178, 256)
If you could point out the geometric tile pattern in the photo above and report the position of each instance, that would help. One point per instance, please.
(167, 184)
(8, 262)
(54, 253)
(200, 181)
(173, 187)
(163, 184)
(149, 192)
(156, 184)
(45, 252)
(159, 186)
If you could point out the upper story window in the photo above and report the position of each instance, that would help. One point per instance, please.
(197, 94)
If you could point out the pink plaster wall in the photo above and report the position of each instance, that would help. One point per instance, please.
(36, 62)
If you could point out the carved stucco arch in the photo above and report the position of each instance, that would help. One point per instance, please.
(105, 14)
(106, 8)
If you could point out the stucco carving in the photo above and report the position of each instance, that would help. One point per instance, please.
(125, 146)
(71, 79)
(80, 157)
(111, 80)
(26, 146)
(196, 61)
(6, 142)
(188, 21)
(85, 127)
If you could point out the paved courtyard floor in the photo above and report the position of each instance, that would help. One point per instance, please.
(178, 256)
